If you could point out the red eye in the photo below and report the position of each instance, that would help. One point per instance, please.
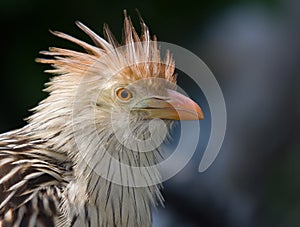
(123, 94)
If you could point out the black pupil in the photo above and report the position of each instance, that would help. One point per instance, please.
(124, 94)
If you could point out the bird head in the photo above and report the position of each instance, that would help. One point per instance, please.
(111, 84)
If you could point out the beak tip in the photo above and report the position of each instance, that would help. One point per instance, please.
(199, 113)
(201, 116)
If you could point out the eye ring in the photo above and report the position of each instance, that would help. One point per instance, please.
(123, 94)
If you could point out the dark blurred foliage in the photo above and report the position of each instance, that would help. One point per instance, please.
(253, 48)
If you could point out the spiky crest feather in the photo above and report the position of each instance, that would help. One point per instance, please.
(139, 54)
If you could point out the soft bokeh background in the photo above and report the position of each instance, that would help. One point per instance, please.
(252, 47)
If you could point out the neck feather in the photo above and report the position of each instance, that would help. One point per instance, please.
(106, 185)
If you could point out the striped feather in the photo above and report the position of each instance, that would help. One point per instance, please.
(30, 182)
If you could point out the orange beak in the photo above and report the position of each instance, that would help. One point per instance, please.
(174, 106)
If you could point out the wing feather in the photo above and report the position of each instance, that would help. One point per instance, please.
(30, 182)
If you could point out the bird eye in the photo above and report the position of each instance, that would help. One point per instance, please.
(123, 94)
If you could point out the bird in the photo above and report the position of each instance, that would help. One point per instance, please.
(88, 154)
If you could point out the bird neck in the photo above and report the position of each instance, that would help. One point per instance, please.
(115, 184)
(107, 185)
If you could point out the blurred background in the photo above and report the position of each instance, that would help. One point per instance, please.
(253, 49)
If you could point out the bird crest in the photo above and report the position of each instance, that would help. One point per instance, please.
(136, 57)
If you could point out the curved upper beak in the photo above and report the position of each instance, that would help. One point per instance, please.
(173, 106)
